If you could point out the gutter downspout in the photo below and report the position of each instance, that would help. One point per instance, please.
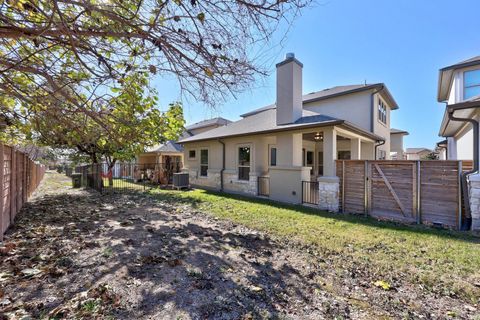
(373, 108)
(468, 216)
(223, 164)
(378, 143)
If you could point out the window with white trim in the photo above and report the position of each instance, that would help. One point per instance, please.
(192, 154)
(471, 84)
(382, 111)
(244, 163)
(203, 162)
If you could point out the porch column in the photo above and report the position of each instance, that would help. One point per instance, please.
(355, 148)
(289, 149)
(287, 176)
(329, 152)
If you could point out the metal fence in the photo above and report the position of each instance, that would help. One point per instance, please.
(128, 176)
(19, 178)
(310, 192)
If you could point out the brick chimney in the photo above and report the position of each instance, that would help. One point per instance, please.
(289, 90)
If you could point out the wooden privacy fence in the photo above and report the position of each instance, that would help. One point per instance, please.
(407, 191)
(19, 177)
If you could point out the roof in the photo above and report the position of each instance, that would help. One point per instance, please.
(266, 122)
(168, 146)
(417, 150)
(398, 131)
(445, 76)
(209, 122)
(442, 143)
(332, 93)
(466, 109)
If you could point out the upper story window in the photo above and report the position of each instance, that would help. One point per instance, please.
(471, 84)
(273, 156)
(382, 111)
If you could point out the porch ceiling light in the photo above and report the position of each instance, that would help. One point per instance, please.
(317, 136)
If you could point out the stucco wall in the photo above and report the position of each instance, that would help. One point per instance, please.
(396, 145)
(465, 144)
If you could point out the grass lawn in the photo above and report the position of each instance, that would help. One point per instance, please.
(443, 261)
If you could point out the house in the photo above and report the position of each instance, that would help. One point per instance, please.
(417, 153)
(396, 144)
(459, 89)
(275, 148)
(441, 149)
(160, 161)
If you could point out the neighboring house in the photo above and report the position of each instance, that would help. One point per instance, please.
(396, 144)
(297, 139)
(459, 88)
(172, 152)
(441, 149)
(417, 153)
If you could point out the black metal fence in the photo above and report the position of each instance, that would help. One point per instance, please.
(263, 186)
(128, 176)
(310, 193)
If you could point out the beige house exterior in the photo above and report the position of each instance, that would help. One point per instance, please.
(297, 139)
(417, 153)
(397, 152)
(459, 89)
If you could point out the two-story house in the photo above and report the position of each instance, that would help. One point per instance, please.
(271, 150)
(459, 88)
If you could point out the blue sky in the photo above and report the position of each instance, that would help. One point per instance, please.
(401, 43)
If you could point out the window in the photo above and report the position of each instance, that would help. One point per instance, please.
(273, 156)
(303, 157)
(244, 163)
(343, 155)
(204, 162)
(382, 111)
(471, 84)
(192, 154)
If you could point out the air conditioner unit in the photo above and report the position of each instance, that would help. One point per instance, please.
(180, 180)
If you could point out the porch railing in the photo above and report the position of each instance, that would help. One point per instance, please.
(263, 186)
(310, 192)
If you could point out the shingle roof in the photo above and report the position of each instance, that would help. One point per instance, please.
(168, 146)
(398, 131)
(266, 121)
(209, 122)
(445, 76)
(330, 93)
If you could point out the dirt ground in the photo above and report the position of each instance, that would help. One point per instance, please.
(78, 254)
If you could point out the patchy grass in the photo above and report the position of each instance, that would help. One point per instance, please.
(444, 261)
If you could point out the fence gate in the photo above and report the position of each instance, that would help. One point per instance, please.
(406, 191)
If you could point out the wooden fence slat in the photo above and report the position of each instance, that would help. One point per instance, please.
(389, 186)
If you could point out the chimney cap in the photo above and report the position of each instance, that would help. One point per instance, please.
(289, 57)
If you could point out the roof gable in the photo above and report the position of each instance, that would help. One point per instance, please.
(445, 76)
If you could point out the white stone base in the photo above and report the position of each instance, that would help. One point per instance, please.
(328, 191)
(474, 193)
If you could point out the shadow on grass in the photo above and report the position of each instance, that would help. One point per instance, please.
(196, 202)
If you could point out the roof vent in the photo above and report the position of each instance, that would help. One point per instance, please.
(290, 55)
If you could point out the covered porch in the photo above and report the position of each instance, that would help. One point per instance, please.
(308, 157)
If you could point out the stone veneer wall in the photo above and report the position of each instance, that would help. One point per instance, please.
(328, 189)
(474, 192)
(230, 181)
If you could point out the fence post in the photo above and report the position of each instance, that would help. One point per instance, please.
(418, 191)
(2, 192)
(459, 217)
(343, 186)
(365, 186)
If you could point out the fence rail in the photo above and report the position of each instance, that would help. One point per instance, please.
(19, 177)
(128, 176)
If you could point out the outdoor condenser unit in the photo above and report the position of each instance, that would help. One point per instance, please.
(180, 180)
